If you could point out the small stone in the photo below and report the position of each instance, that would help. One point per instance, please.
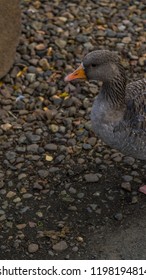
(44, 64)
(10, 194)
(92, 141)
(127, 178)
(6, 126)
(72, 208)
(31, 77)
(40, 47)
(33, 148)
(93, 206)
(80, 195)
(11, 156)
(134, 200)
(20, 226)
(91, 178)
(60, 246)
(27, 195)
(80, 239)
(37, 186)
(98, 160)
(1, 184)
(60, 43)
(88, 46)
(117, 159)
(72, 190)
(54, 128)
(129, 160)
(86, 146)
(39, 214)
(32, 248)
(51, 147)
(126, 186)
(17, 200)
(142, 60)
(2, 218)
(126, 40)
(82, 38)
(43, 173)
(33, 138)
(22, 176)
(118, 216)
(75, 249)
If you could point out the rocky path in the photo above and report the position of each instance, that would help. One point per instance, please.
(64, 194)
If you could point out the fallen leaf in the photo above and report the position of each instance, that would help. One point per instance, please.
(20, 73)
(63, 94)
(15, 87)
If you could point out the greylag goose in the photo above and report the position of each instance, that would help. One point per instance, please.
(118, 113)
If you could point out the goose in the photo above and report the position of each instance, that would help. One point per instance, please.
(118, 114)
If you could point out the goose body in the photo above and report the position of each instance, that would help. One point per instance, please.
(118, 113)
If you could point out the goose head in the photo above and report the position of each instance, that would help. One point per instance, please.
(101, 65)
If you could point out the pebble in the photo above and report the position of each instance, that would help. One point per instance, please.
(134, 199)
(129, 160)
(126, 186)
(11, 156)
(72, 208)
(60, 246)
(75, 249)
(33, 247)
(31, 77)
(60, 43)
(91, 178)
(6, 126)
(10, 194)
(33, 148)
(54, 128)
(27, 195)
(118, 216)
(127, 178)
(22, 176)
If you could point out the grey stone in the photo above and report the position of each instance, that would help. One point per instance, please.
(118, 216)
(127, 178)
(10, 24)
(91, 178)
(43, 173)
(60, 246)
(33, 148)
(126, 186)
(51, 147)
(32, 248)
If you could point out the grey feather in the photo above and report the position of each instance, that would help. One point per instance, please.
(119, 111)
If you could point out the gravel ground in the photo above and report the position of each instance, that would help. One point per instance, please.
(64, 193)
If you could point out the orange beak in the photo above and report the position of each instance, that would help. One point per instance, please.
(79, 73)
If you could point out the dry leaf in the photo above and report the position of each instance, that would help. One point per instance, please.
(20, 73)
(63, 94)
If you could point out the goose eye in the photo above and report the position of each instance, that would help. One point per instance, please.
(93, 65)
